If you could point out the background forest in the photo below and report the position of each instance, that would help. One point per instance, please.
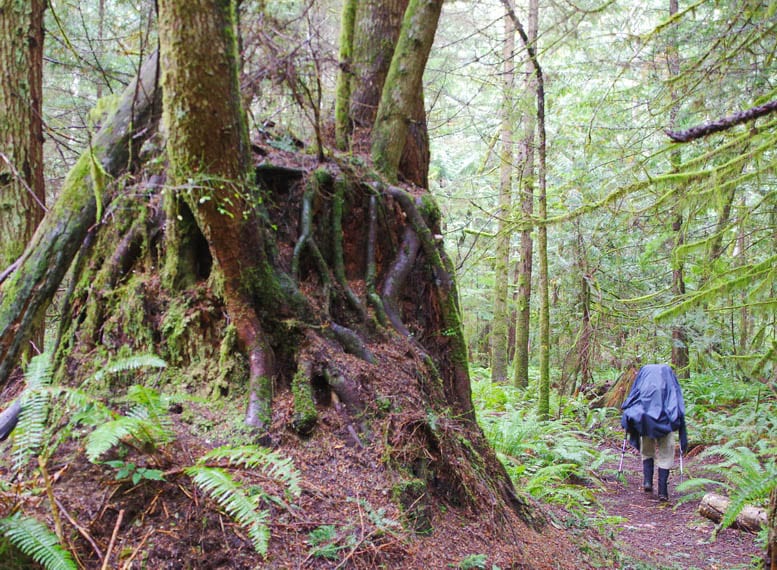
(616, 183)
(586, 240)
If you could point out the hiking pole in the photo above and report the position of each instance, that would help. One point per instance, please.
(681, 464)
(623, 452)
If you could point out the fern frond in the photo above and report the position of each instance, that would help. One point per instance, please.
(111, 433)
(271, 464)
(36, 540)
(754, 487)
(30, 429)
(229, 495)
(133, 362)
(152, 406)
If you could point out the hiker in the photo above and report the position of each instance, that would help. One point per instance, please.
(652, 412)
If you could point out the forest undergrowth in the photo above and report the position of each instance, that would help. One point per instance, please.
(135, 447)
(575, 460)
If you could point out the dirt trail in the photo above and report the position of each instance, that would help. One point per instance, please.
(671, 535)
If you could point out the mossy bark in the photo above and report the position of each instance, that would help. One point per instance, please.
(401, 91)
(27, 292)
(344, 75)
(500, 329)
(208, 151)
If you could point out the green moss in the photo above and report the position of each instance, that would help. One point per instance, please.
(175, 323)
(305, 414)
(233, 368)
(322, 177)
(430, 210)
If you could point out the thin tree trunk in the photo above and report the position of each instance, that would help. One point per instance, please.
(680, 359)
(27, 291)
(499, 332)
(343, 95)
(523, 281)
(543, 399)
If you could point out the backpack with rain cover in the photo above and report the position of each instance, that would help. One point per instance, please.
(654, 406)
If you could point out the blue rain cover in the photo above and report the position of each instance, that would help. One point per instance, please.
(655, 406)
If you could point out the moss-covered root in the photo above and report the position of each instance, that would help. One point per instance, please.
(338, 203)
(254, 344)
(371, 274)
(351, 342)
(305, 414)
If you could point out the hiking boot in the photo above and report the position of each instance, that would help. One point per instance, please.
(647, 470)
(663, 484)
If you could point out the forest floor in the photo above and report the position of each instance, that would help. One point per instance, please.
(169, 525)
(669, 535)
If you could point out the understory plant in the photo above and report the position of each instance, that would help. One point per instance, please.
(145, 429)
(551, 459)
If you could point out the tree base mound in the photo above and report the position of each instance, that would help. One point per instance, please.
(370, 399)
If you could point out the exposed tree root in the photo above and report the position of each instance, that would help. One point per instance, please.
(306, 240)
(396, 278)
(371, 273)
(338, 202)
(351, 342)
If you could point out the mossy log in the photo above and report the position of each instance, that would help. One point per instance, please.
(27, 292)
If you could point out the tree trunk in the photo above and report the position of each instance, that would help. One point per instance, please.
(370, 66)
(343, 124)
(500, 332)
(397, 113)
(576, 369)
(22, 195)
(88, 189)
(680, 359)
(523, 281)
(543, 397)
(208, 150)
(22, 187)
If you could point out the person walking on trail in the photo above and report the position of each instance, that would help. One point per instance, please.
(652, 412)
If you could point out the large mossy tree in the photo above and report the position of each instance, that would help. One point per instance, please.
(267, 277)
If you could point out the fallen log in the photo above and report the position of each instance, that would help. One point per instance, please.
(714, 506)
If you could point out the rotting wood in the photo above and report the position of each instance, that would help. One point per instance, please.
(714, 507)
